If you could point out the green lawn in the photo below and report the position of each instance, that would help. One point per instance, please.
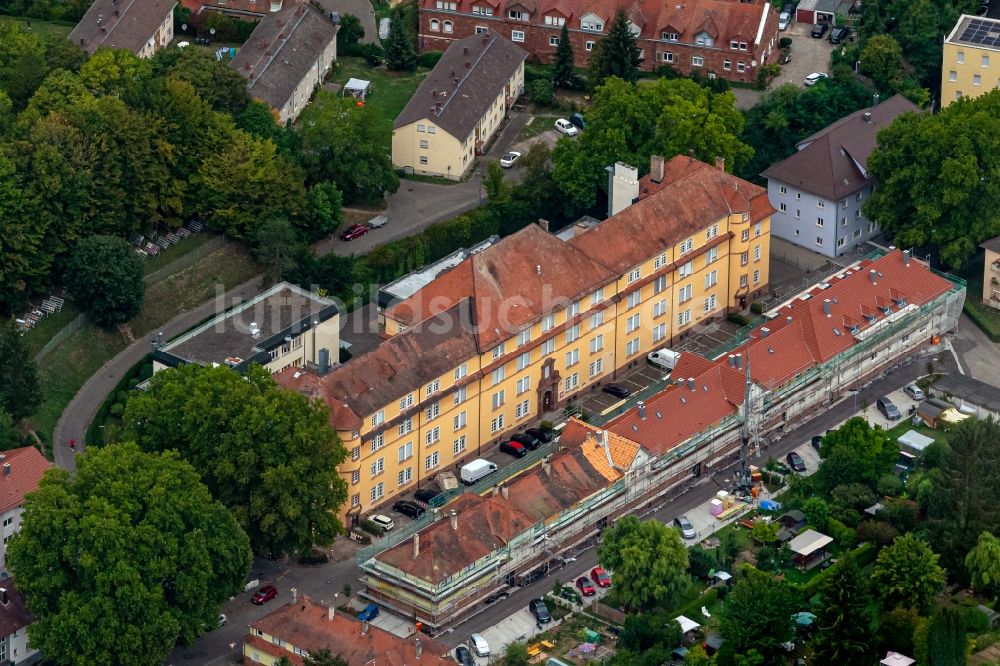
(184, 245)
(904, 427)
(390, 90)
(61, 29)
(44, 331)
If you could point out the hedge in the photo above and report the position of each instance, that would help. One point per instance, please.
(864, 555)
(693, 608)
(980, 319)
(139, 372)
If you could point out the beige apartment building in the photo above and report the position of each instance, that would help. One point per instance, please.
(519, 329)
(140, 26)
(991, 272)
(459, 106)
(970, 64)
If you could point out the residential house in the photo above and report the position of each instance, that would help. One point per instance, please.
(14, 620)
(140, 26)
(303, 627)
(522, 327)
(820, 189)
(991, 272)
(20, 472)
(282, 327)
(970, 60)
(715, 38)
(287, 57)
(459, 107)
(252, 10)
(817, 11)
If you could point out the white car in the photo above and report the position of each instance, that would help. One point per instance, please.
(914, 392)
(566, 127)
(385, 522)
(814, 78)
(479, 645)
(507, 161)
(783, 20)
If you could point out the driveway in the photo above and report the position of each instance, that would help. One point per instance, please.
(980, 358)
(808, 55)
(362, 9)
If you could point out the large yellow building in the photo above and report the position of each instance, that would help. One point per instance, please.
(518, 330)
(459, 107)
(970, 62)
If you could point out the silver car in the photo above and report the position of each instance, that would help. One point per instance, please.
(685, 526)
(914, 392)
(479, 645)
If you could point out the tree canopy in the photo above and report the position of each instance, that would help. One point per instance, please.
(268, 454)
(20, 393)
(564, 67)
(757, 614)
(983, 563)
(856, 452)
(125, 559)
(843, 622)
(649, 561)
(907, 574)
(105, 277)
(617, 55)
(400, 52)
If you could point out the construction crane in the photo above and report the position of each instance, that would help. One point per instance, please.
(749, 429)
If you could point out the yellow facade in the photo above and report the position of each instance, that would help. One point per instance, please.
(497, 392)
(991, 277)
(968, 69)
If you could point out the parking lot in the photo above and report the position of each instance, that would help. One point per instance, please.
(808, 55)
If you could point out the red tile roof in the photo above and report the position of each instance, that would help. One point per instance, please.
(27, 466)
(307, 625)
(778, 357)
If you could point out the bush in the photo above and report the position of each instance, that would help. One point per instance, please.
(840, 532)
(785, 43)
(863, 555)
(314, 556)
(429, 58)
(371, 528)
(889, 485)
(535, 72)
(737, 318)
(542, 92)
(372, 53)
(877, 532)
(117, 410)
(757, 307)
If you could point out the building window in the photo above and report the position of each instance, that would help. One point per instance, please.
(686, 269)
(659, 308)
(458, 446)
(498, 375)
(632, 347)
(745, 235)
(378, 490)
(659, 332)
(756, 229)
(481, 29)
(669, 36)
(632, 323)
(667, 56)
(697, 61)
(482, 11)
(596, 319)
(355, 500)
(356, 453)
(573, 310)
(819, 240)
(572, 381)
(597, 296)
(756, 252)
(589, 46)
(819, 221)
(498, 399)
(712, 256)
(710, 303)
(460, 420)
(857, 233)
(461, 371)
(522, 409)
(432, 436)
(840, 242)
(405, 427)
(952, 75)
(548, 322)
(496, 425)
(596, 344)
(659, 284)
(984, 61)
(420, 127)
(743, 280)
(634, 299)
(406, 402)
(517, 36)
(782, 207)
(593, 26)
(557, 21)
(572, 333)
(355, 477)
(961, 57)
(976, 80)
(734, 45)
(523, 360)
(727, 64)
(596, 367)
(712, 232)
(431, 461)
(423, 160)
(435, 26)
(711, 279)
(684, 294)
(460, 395)
(378, 418)
(378, 442)
(798, 213)
(548, 346)
(684, 318)
(423, 143)
(553, 41)
(572, 358)
(378, 467)
(634, 275)
(756, 277)
(687, 245)
(744, 258)
(433, 387)
(444, 4)
(740, 66)
(498, 351)
(405, 476)
(448, 25)
(517, 16)
(523, 385)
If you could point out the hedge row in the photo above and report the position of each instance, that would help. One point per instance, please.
(864, 555)
(980, 319)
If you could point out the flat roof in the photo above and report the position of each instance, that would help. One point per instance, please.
(809, 542)
(229, 338)
(413, 282)
(978, 31)
(915, 440)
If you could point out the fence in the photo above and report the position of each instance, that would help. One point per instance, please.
(605, 612)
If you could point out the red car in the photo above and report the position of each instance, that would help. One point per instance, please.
(600, 577)
(353, 231)
(586, 589)
(264, 594)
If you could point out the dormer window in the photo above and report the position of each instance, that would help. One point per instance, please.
(669, 36)
(703, 39)
(443, 4)
(515, 15)
(557, 21)
(482, 11)
(592, 25)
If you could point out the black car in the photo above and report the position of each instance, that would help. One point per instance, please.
(617, 390)
(408, 508)
(577, 119)
(515, 449)
(425, 495)
(495, 597)
(795, 461)
(530, 441)
(819, 29)
(464, 656)
(540, 611)
(816, 442)
(840, 34)
(545, 436)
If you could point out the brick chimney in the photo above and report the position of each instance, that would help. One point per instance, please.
(454, 520)
(656, 167)
(720, 163)
(416, 545)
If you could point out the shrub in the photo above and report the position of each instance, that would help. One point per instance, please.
(117, 410)
(371, 528)
(877, 532)
(889, 485)
(372, 53)
(314, 556)
(737, 318)
(840, 532)
(757, 307)
(785, 43)
(542, 91)
(429, 58)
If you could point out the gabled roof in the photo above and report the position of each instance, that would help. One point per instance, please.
(700, 196)
(14, 615)
(399, 365)
(120, 24)
(510, 285)
(464, 84)
(993, 244)
(833, 162)
(725, 20)
(307, 625)
(25, 471)
(282, 50)
(608, 452)
(780, 356)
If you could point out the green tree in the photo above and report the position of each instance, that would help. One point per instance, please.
(325, 211)
(946, 641)
(649, 560)
(323, 658)
(266, 453)
(764, 532)
(400, 54)
(564, 67)
(276, 247)
(10, 436)
(897, 629)
(497, 189)
(615, 55)
(125, 559)
(516, 654)
(701, 562)
(817, 512)
(347, 145)
(696, 656)
(937, 178)
(882, 60)
(856, 452)
(907, 574)
(843, 622)
(642, 632)
(215, 81)
(757, 614)
(983, 564)
(350, 33)
(20, 393)
(114, 72)
(105, 276)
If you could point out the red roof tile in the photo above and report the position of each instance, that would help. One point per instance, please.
(27, 466)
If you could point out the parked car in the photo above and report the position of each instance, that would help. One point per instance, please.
(529, 441)
(545, 436)
(425, 495)
(816, 441)
(795, 461)
(479, 645)
(507, 161)
(353, 231)
(369, 613)
(600, 576)
(515, 449)
(617, 390)
(264, 594)
(840, 34)
(385, 522)
(914, 392)
(814, 78)
(564, 126)
(463, 656)
(685, 526)
(578, 121)
(783, 20)
(586, 588)
(408, 508)
(570, 595)
(378, 221)
(819, 29)
(540, 611)
(888, 408)
(495, 597)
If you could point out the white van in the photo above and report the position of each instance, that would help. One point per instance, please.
(476, 470)
(664, 358)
